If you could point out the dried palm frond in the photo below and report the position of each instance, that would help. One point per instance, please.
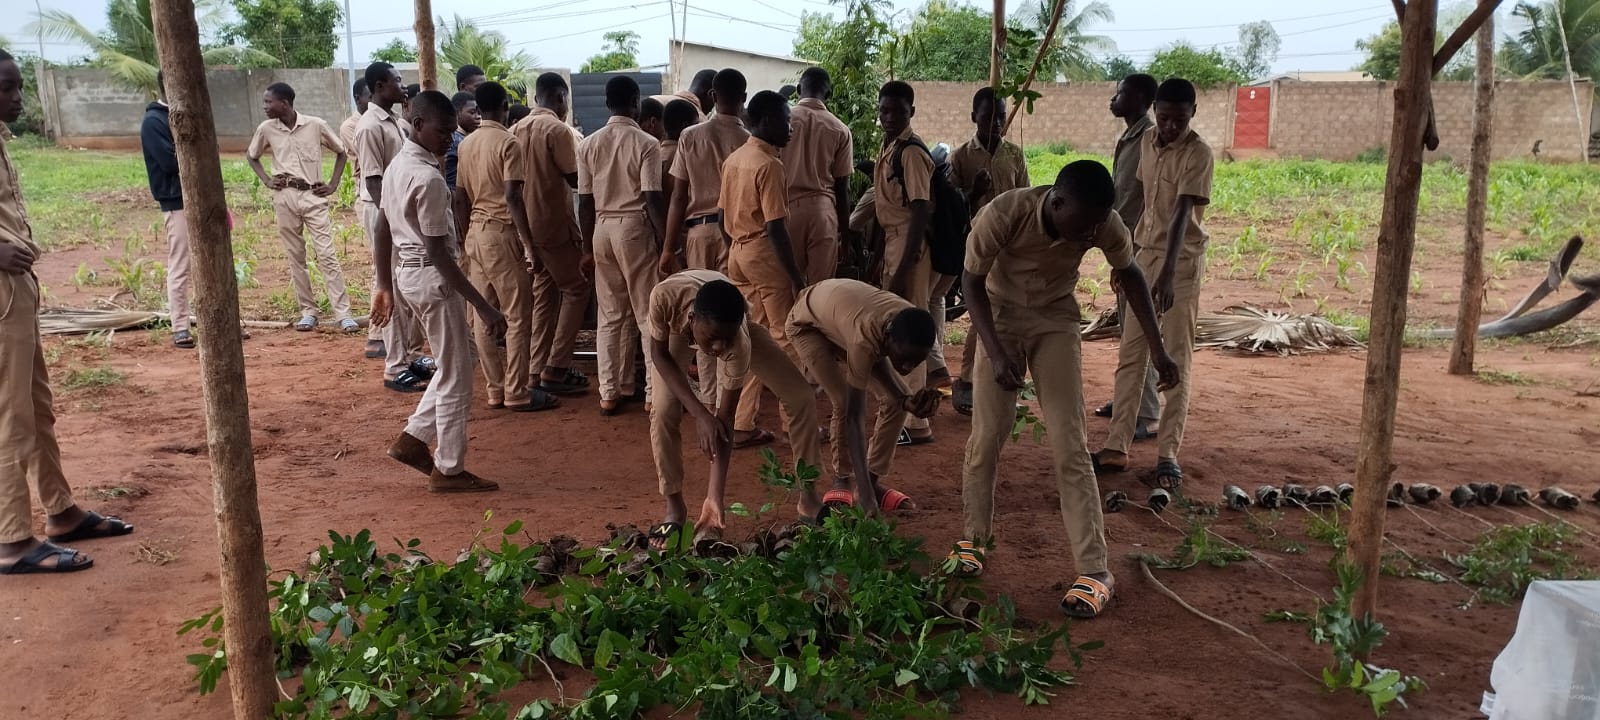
(1253, 329)
(1106, 326)
(69, 321)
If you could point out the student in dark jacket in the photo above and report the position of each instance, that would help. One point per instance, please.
(161, 166)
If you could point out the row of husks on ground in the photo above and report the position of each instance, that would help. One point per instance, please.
(1271, 497)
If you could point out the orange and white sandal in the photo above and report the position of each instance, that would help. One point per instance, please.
(1086, 599)
(968, 558)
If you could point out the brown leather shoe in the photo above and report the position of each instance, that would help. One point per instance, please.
(462, 482)
(413, 453)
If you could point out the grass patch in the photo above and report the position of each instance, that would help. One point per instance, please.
(96, 378)
(1491, 376)
(955, 336)
(117, 492)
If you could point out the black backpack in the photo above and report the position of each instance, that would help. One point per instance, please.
(950, 221)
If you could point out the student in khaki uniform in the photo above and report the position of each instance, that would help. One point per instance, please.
(904, 206)
(1175, 167)
(676, 117)
(347, 129)
(1131, 104)
(621, 213)
(1020, 274)
(29, 456)
(851, 336)
(700, 91)
(817, 167)
(983, 168)
(300, 198)
(761, 262)
(651, 118)
(498, 244)
(693, 223)
(560, 288)
(380, 135)
(701, 309)
(417, 226)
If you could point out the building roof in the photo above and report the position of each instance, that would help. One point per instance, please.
(720, 48)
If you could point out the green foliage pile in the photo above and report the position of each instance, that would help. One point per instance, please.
(1505, 560)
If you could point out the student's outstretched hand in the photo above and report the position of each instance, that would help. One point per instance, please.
(1167, 374)
(382, 305)
(15, 259)
(716, 437)
(923, 403)
(1008, 372)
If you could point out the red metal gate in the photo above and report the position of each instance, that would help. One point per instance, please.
(1252, 118)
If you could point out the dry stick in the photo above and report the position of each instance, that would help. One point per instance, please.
(1433, 527)
(1470, 515)
(561, 692)
(1242, 548)
(1044, 47)
(1164, 590)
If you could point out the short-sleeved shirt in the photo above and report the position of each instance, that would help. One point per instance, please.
(14, 227)
(670, 304)
(1125, 172)
(894, 197)
(296, 150)
(489, 158)
(379, 137)
(617, 164)
(690, 98)
(550, 154)
(347, 138)
(1168, 173)
(753, 191)
(1008, 169)
(702, 150)
(669, 153)
(852, 315)
(1032, 275)
(417, 203)
(820, 150)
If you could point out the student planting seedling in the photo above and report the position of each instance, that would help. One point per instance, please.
(852, 336)
(1021, 270)
(700, 309)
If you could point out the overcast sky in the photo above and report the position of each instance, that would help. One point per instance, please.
(562, 33)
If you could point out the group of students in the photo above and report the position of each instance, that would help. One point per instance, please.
(708, 226)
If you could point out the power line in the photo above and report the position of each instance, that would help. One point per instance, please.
(617, 26)
(722, 16)
(1219, 45)
(1234, 25)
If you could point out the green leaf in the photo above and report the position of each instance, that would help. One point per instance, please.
(602, 650)
(905, 677)
(791, 679)
(739, 628)
(739, 510)
(566, 649)
(320, 614)
(514, 528)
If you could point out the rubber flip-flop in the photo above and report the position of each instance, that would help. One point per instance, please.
(961, 397)
(839, 498)
(1142, 432)
(541, 400)
(1101, 468)
(665, 533)
(306, 324)
(760, 437)
(907, 439)
(891, 500)
(90, 529)
(1104, 411)
(1168, 475)
(968, 558)
(376, 350)
(407, 382)
(1086, 599)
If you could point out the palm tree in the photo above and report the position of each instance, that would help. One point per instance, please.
(463, 43)
(1537, 51)
(127, 48)
(1074, 52)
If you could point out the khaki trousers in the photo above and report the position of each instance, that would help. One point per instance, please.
(772, 365)
(1055, 359)
(402, 336)
(625, 257)
(1177, 332)
(499, 270)
(917, 294)
(939, 286)
(441, 415)
(560, 298)
(178, 304)
(824, 360)
(1149, 400)
(813, 226)
(754, 268)
(29, 456)
(704, 248)
(301, 211)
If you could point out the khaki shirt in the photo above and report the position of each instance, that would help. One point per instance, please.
(417, 203)
(852, 315)
(820, 150)
(347, 138)
(1167, 173)
(1125, 172)
(1032, 275)
(14, 227)
(550, 154)
(379, 137)
(894, 197)
(702, 149)
(669, 153)
(753, 192)
(672, 301)
(489, 159)
(690, 98)
(617, 165)
(296, 150)
(1008, 170)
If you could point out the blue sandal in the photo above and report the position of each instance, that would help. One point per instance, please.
(407, 382)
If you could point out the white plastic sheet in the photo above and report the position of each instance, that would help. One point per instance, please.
(1551, 668)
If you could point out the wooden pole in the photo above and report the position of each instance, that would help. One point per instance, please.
(427, 60)
(1465, 346)
(1044, 46)
(1572, 82)
(233, 473)
(997, 45)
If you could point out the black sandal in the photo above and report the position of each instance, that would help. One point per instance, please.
(1101, 468)
(90, 529)
(573, 383)
(663, 535)
(424, 367)
(1168, 475)
(33, 562)
(540, 400)
(407, 382)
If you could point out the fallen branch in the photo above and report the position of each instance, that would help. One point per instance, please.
(1160, 588)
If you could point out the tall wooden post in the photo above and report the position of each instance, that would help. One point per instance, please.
(427, 55)
(997, 45)
(1463, 350)
(233, 472)
(1391, 282)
